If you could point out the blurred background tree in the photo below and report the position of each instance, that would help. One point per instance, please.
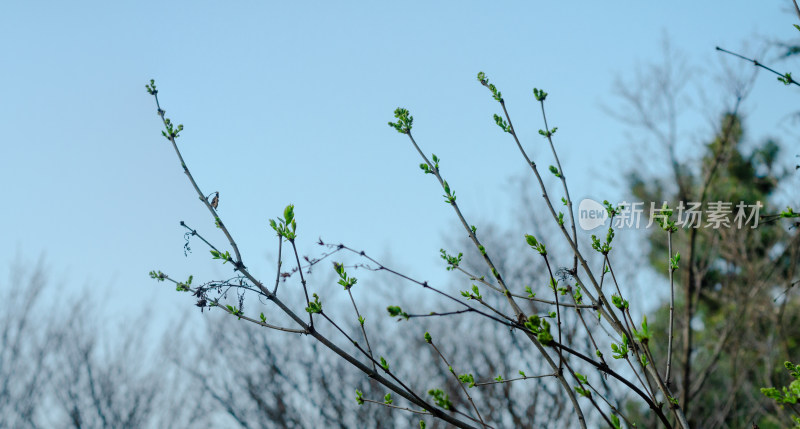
(737, 319)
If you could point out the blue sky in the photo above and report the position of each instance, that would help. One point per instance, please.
(287, 102)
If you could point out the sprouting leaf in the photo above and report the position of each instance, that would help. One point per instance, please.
(452, 261)
(644, 335)
(441, 399)
(535, 244)
(468, 379)
(395, 311)
(615, 421)
(384, 364)
(476, 292)
(530, 292)
(314, 306)
(502, 123)
(404, 121)
(618, 302)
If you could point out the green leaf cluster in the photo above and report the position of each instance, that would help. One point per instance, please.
(452, 261)
(603, 248)
(314, 306)
(441, 399)
(786, 78)
(384, 364)
(172, 131)
(497, 95)
(395, 311)
(548, 134)
(644, 335)
(673, 262)
(531, 293)
(787, 395)
(578, 296)
(541, 328)
(502, 123)
(615, 422)
(476, 293)
(344, 280)
(151, 87)
(620, 350)
(184, 287)
(286, 227)
(449, 196)
(663, 219)
(233, 310)
(427, 168)
(535, 244)
(611, 210)
(219, 255)
(404, 121)
(467, 379)
(620, 303)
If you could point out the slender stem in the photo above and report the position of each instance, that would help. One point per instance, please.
(363, 330)
(525, 297)
(558, 311)
(564, 183)
(472, 236)
(308, 329)
(460, 384)
(653, 406)
(395, 406)
(303, 281)
(487, 383)
(788, 77)
(238, 262)
(367, 355)
(671, 309)
(280, 262)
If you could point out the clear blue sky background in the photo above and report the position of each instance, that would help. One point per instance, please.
(287, 102)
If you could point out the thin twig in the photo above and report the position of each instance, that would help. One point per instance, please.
(308, 329)
(460, 384)
(280, 262)
(564, 183)
(786, 76)
(363, 330)
(487, 383)
(671, 333)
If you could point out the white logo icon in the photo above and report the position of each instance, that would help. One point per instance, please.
(591, 214)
